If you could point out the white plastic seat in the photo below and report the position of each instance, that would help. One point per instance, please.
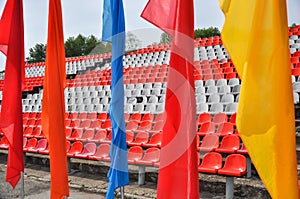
(216, 108)
(231, 108)
(224, 89)
(227, 98)
(200, 98)
(213, 98)
(202, 108)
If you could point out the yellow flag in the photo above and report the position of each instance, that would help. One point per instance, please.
(255, 34)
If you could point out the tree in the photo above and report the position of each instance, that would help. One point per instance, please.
(132, 42)
(165, 38)
(206, 33)
(293, 26)
(37, 53)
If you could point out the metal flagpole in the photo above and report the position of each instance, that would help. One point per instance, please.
(22, 186)
(121, 192)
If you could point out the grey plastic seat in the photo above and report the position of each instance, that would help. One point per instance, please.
(202, 108)
(216, 108)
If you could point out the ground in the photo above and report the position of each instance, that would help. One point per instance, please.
(88, 180)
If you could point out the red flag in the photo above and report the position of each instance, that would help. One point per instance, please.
(12, 45)
(178, 173)
(53, 117)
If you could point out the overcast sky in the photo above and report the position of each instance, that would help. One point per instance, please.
(85, 17)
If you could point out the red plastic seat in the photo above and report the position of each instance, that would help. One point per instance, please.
(243, 150)
(157, 127)
(37, 132)
(210, 142)
(102, 153)
(4, 144)
(203, 118)
(220, 118)
(229, 144)
(129, 136)
(40, 146)
(73, 116)
(100, 135)
(96, 124)
(82, 116)
(136, 117)
(102, 116)
(88, 135)
(134, 153)
(148, 117)
(144, 126)
(211, 163)
(155, 141)
(235, 165)
(131, 125)
(28, 132)
(159, 117)
(30, 144)
(225, 129)
(76, 148)
(76, 135)
(106, 125)
(92, 116)
(206, 128)
(140, 139)
(150, 158)
(85, 124)
(88, 150)
(233, 118)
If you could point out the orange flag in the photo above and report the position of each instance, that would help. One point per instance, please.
(53, 115)
(12, 45)
(178, 173)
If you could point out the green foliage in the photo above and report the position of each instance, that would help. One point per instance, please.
(293, 26)
(165, 38)
(37, 53)
(74, 47)
(206, 33)
(80, 45)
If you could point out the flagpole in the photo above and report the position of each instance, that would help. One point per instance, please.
(121, 192)
(22, 186)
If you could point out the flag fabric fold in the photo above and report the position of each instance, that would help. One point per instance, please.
(114, 32)
(255, 34)
(53, 105)
(178, 173)
(12, 45)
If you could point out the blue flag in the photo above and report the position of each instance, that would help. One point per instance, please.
(113, 31)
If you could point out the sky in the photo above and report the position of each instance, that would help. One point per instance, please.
(85, 17)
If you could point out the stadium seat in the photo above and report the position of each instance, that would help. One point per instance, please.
(204, 117)
(211, 163)
(100, 136)
(210, 142)
(88, 150)
(155, 141)
(4, 144)
(30, 144)
(229, 144)
(102, 153)
(220, 118)
(76, 148)
(134, 153)
(150, 157)
(225, 128)
(87, 136)
(157, 127)
(28, 132)
(76, 135)
(140, 139)
(235, 165)
(243, 150)
(206, 128)
(40, 146)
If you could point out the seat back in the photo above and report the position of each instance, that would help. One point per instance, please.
(230, 142)
(135, 153)
(235, 162)
(102, 150)
(152, 154)
(213, 160)
(76, 148)
(210, 141)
